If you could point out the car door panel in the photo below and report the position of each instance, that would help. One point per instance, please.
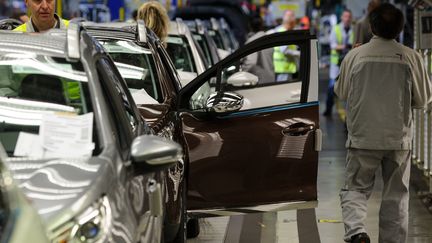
(247, 160)
(262, 154)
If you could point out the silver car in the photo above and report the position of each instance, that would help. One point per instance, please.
(185, 52)
(75, 141)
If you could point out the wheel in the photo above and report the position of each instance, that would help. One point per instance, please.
(181, 233)
(193, 228)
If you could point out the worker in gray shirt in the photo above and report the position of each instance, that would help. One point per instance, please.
(381, 81)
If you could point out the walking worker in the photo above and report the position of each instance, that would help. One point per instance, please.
(341, 41)
(42, 17)
(381, 81)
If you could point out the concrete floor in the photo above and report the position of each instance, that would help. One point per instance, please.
(283, 227)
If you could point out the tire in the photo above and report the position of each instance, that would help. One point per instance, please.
(181, 233)
(193, 228)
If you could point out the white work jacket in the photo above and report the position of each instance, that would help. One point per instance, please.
(382, 81)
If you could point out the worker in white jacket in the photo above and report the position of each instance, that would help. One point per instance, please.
(381, 81)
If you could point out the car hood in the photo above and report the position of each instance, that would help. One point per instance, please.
(55, 185)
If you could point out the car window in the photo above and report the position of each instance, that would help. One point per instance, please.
(137, 66)
(204, 46)
(180, 52)
(264, 78)
(169, 65)
(231, 39)
(34, 87)
(126, 123)
(217, 37)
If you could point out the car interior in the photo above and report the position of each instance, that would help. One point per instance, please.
(32, 94)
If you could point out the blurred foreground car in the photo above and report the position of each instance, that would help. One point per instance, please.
(18, 219)
(252, 144)
(75, 141)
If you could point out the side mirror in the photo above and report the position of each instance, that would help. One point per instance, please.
(242, 79)
(223, 102)
(151, 153)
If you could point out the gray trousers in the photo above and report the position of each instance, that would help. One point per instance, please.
(359, 182)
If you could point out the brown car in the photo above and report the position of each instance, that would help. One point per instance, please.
(251, 144)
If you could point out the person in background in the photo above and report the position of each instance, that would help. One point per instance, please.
(134, 16)
(285, 58)
(382, 81)
(362, 31)
(267, 15)
(42, 17)
(155, 17)
(341, 41)
(4, 8)
(259, 63)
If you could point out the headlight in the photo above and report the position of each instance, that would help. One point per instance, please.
(91, 226)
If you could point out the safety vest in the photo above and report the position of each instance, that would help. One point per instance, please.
(283, 63)
(28, 26)
(334, 58)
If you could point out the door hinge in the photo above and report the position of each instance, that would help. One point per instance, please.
(318, 140)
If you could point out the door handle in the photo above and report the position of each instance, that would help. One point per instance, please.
(298, 129)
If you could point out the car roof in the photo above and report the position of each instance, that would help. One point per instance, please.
(117, 30)
(52, 42)
(111, 30)
(125, 25)
(177, 28)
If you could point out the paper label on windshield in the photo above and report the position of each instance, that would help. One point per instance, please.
(65, 135)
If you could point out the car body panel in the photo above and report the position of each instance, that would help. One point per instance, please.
(235, 164)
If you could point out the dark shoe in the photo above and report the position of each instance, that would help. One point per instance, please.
(360, 238)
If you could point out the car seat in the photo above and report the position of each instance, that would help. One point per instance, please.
(43, 88)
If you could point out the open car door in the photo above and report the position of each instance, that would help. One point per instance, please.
(252, 130)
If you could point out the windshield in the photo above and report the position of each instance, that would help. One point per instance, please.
(39, 97)
(180, 52)
(137, 66)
